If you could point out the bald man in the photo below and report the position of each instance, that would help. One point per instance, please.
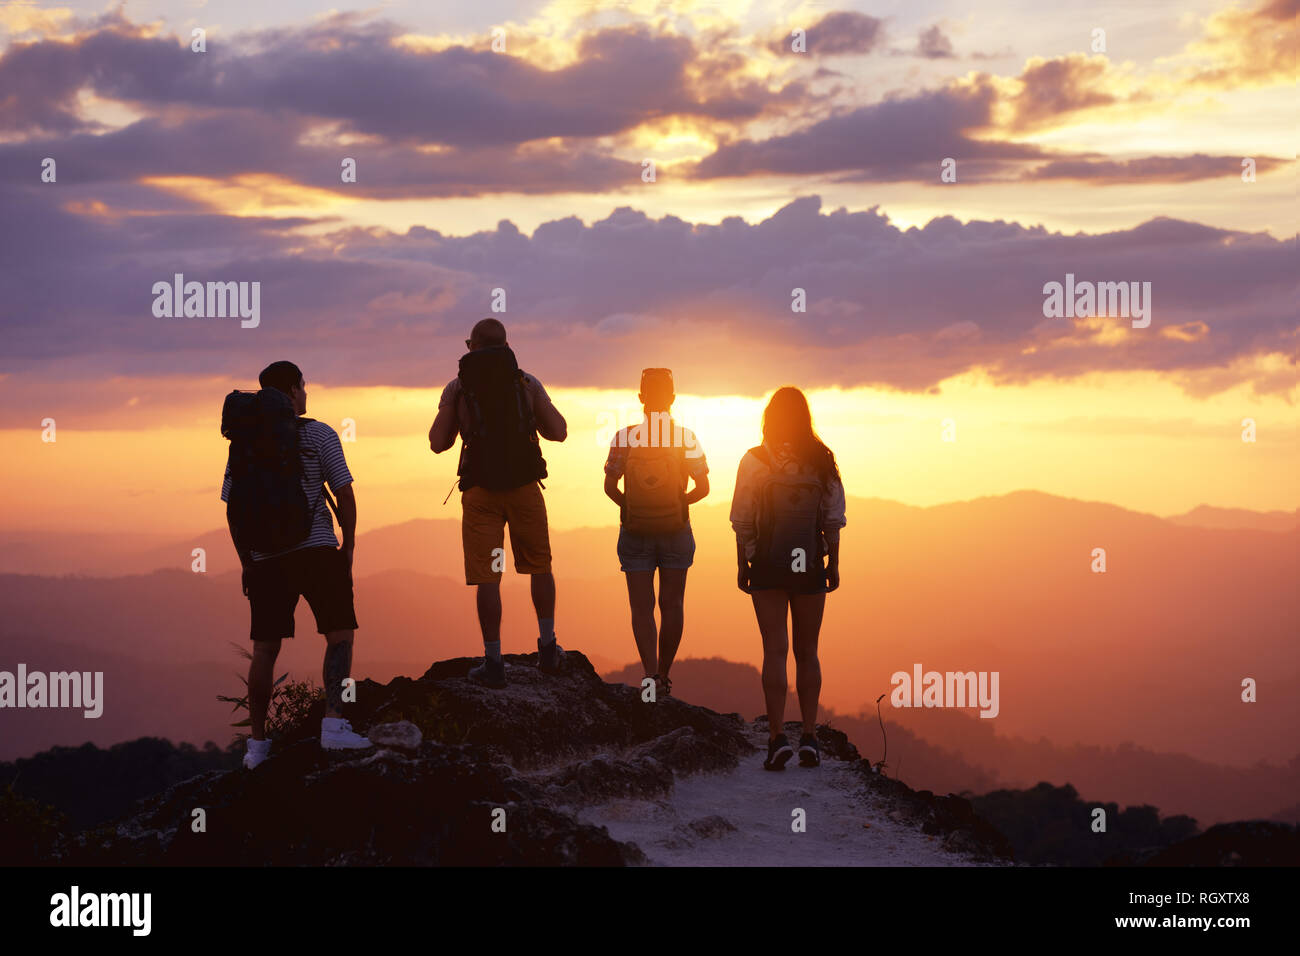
(499, 411)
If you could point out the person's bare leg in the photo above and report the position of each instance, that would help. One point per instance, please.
(543, 590)
(770, 609)
(488, 601)
(261, 678)
(641, 599)
(336, 669)
(805, 625)
(672, 601)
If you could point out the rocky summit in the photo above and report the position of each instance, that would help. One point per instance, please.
(463, 775)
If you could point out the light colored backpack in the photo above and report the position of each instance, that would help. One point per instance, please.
(654, 490)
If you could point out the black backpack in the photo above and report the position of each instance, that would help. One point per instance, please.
(789, 521)
(267, 507)
(499, 448)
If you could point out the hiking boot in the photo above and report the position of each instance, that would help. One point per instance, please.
(663, 686)
(778, 752)
(489, 674)
(337, 734)
(256, 752)
(810, 754)
(550, 657)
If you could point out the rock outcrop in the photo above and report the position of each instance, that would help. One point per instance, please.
(461, 775)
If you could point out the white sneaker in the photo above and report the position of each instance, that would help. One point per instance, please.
(258, 750)
(337, 734)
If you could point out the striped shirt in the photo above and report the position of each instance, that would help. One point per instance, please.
(322, 461)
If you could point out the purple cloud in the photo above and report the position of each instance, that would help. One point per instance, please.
(351, 72)
(589, 305)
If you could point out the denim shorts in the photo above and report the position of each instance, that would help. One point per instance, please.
(645, 552)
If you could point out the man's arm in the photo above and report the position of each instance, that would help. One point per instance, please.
(347, 502)
(550, 423)
(335, 474)
(245, 558)
(442, 433)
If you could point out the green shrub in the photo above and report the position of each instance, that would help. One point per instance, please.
(291, 702)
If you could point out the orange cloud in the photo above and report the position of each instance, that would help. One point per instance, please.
(1248, 48)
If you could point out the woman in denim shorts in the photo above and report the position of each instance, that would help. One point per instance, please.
(656, 452)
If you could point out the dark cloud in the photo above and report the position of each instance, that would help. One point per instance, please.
(837, 34)
(230, 143)
(933, 44)
(904, 138)
(274, 102)
(589, 305)
(1151, 169)
(900, 138)
(352, 73)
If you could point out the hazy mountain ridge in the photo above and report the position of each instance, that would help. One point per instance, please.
(1152, 653)
(1207, 516)
(87, 553)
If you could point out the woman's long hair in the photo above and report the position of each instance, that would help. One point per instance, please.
(788, 419)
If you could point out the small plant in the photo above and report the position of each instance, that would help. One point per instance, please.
(290, 703)
(880, 766)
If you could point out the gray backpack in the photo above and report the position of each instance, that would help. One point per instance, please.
(789, 521)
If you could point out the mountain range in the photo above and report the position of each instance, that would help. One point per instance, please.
(1127, 682)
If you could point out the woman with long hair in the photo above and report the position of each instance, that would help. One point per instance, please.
(787, 513)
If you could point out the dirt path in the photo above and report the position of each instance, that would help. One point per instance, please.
(843, 826)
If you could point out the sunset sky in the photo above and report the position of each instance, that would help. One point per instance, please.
(522, 169)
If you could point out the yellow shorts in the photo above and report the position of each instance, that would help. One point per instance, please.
(484, 515)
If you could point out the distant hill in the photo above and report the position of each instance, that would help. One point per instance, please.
(721, 685)
(1053, 825)
(92, 785)
(1205, 516)
(432, 544)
